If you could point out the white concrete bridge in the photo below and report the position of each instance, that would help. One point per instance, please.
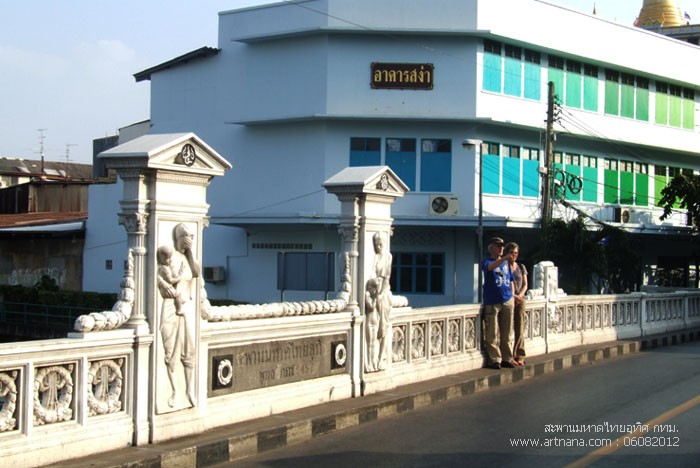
(163, 364)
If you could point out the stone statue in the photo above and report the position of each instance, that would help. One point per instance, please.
(371, 328)
(167, 278)
(378, 334)
(178, 312)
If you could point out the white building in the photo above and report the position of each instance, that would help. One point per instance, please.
(297, 91)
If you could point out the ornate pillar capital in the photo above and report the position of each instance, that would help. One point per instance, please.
(134, 223)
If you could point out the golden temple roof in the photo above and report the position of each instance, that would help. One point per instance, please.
(660, 13)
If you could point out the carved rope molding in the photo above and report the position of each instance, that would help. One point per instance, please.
(8, 398)
(286, 309)
(121, 311)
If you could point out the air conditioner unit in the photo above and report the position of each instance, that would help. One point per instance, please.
(616, 214)
(214, 274)
(625, 216)
(638, 216)
(444, 205)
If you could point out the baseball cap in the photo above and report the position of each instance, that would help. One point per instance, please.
(496, 241)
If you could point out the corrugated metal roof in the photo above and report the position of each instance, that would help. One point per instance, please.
(53, 168)
(75, 226)
(40, 219)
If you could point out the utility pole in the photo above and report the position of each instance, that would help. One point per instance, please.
(41, 147)
(548, 159)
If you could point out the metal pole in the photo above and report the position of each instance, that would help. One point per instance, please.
(548, 153)
(468, 144)
(480, 228)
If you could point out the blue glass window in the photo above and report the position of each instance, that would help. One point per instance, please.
(401, 158)
(436, 166)
(418, 272)
(365, 152)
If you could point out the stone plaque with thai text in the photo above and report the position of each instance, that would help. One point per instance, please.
(259, 365)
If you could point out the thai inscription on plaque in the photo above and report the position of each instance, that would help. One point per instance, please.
(402, 76)
(260, 365)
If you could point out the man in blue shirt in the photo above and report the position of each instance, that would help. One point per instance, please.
(498, 306)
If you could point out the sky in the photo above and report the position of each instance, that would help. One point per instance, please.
(67, 67)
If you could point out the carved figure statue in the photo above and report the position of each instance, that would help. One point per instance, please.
(167, 278)
(372, 324)
(178, 328)
(381, 274)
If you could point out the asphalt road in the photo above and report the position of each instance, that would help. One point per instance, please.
(570, 415)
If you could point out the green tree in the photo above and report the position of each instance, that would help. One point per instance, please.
(590, 258)
(682, 192)
(624, 264)
(576, 251)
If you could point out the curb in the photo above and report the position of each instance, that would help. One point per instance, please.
(249, 438)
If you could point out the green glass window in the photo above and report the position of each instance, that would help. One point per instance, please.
(511, 170)
(532, 75)
(590, 179)
(556, 75)
(673, 172)
(661, 102)
(512, 80)
(688, 109)
(590, 88)
(612, 92)
(627, 96)
(492, 66)
(491, 178)
(675, 106)
(641, 184)
(572, 165)
(573, 83)
(642, 101)
(531, 174)
(611, 180)
(660, 174)
(626, 183)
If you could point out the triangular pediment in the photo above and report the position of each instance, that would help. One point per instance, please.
(367, 179)
(180, 152)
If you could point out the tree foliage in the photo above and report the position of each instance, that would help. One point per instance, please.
(683, 192)
(590, 259)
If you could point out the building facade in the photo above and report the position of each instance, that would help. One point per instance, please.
(295, 92)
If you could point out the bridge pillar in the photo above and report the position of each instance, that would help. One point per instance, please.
(366, 195)
(164, 212)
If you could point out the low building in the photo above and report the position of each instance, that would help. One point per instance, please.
(43, 208)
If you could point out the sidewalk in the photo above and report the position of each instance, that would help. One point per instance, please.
(249, 438)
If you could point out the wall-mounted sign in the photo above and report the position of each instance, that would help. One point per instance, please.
(402, 75)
